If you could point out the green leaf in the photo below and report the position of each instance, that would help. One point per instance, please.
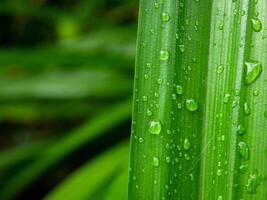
(94, 128)
(200, 99)
(84, 182)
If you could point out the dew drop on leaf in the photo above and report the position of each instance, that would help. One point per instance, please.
(253, 70)
(164, 55)
(219, 172)
(165, 17)
(220, 197)
(179, 89)
(240, 129)
(191, 105)
(155, 127)
(226, 98)
(186, 144)
(243, 150)
(246, 108)
(149, 113)
(243, 168)
(155, 161)
(256, 25)
(253, 182)
(220, 69)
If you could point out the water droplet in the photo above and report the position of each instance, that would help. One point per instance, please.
(155, 127)
(243, 169)
(186, 144)
(192, 178)
(243, 150)
(191, 105)
(226, 98)
(246, 108)
(220, 69)
(240, 129)
(155, 161)
(179, 89)
(256, 25)
(165, 17)
(149, 113)
(221, 26)
(220, 197)
(186, 156)
(219, 172)
(168, 159)
(141, 140)
(256, 92)
(164, 55)
(144, 98)
(253, 182)
(253, 70)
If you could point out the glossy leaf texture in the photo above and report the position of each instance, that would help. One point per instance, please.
(200, 111)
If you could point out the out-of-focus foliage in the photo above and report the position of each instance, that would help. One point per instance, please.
(66, 71)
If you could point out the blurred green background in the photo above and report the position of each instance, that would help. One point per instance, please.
(66, 77)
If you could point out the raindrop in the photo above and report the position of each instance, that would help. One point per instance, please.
(243, 150)
(256, 25)
(186, 156)
(141, 140)
(191, 105)
(253, 70)
(220, 197)
(155, 127)
(219, 172)
(168, 159)
(164, 55)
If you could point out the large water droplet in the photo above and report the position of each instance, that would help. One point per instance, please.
(155, 127)
(243, 150)
(186, 144)
(164, 55)
(253, 70)
(191, 105)
(256, 25)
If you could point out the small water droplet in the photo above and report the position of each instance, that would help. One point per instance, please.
(253, 70)
(165, 17)
(149, 113)
(243, 150)
(155, 161)
(246, 108)
(141, 140)
(168, 159)
(253, 182)
(164, 55)
(144, 98)
(243, 169)
(219, 172)
(186, 156)
(220, 69)
(256, 92)
(256, 25)
(155, 127)
(240, 129)
(220, 197)
(191, 105)
(179, 89)
(226, 98)
(186, 144)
